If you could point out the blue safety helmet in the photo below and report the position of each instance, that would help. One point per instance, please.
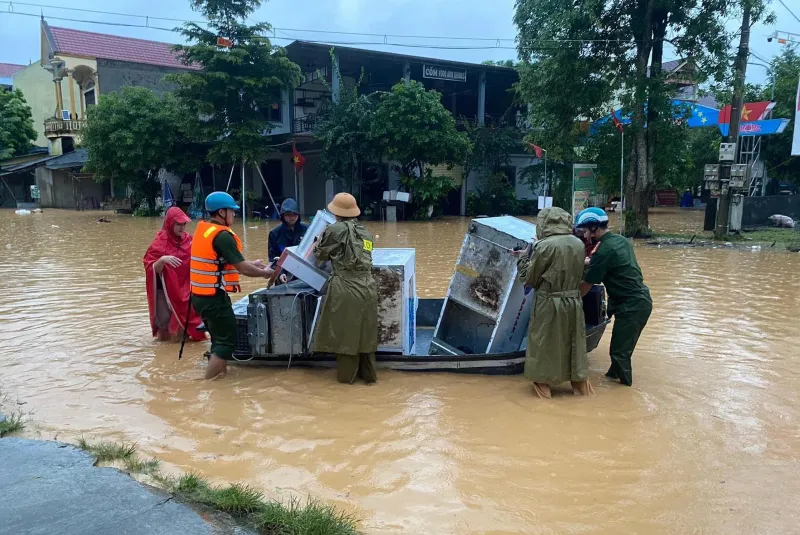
(219, 200)
(591, 216)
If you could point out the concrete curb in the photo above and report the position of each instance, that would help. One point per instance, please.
(52, 487)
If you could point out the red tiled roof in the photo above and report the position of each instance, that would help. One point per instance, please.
(7, 70)
(104, 46)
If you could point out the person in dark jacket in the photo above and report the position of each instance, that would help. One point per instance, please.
(288, 233)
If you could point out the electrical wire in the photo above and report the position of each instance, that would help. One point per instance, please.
(291, 324)
(789, 10)
(552, 43)
(496, 40)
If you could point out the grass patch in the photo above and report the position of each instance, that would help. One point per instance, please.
(236, 500)
(268, 517)
(309, 518)
(108, 451)
(776, 235)
(244, 503)
(769, 237)
(12, 424)
(138, 465)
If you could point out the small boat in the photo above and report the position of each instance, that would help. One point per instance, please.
(427, 315)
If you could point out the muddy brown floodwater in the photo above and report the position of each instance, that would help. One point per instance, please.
(706, 442)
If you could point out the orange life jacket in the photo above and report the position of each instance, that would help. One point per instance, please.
(207, 270)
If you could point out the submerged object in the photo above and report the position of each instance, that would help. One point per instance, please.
(486, 309)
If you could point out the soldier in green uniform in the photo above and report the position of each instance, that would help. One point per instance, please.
(348, 324)
(614, 264)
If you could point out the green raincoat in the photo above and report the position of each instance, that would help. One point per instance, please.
(348, 323)
(556, 350)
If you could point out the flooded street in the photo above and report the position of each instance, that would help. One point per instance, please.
(706, 442)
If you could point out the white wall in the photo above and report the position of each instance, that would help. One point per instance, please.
(523, 190)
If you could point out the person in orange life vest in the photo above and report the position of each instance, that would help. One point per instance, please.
(166, 266)
(216, 264)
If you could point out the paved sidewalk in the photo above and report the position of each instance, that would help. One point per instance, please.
(54, 488)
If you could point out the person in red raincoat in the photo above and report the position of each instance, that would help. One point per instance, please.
(166, 265)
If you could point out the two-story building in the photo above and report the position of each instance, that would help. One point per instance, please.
(471, 92)
(75, 69)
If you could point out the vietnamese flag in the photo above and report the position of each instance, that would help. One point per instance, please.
(751, 111)
(298, 159)
(223, 42)
(616, 121)
(537, 149)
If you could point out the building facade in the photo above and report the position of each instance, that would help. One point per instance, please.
(471, 92)
(75, 69)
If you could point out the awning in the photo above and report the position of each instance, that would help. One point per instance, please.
(9, 168)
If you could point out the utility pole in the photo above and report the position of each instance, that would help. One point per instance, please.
(740, 70)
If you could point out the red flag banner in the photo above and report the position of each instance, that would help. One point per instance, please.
(537, 150)
(616, 121)
(225, 43)
(298, 159)
(751, 111)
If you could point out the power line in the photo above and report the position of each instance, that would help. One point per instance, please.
(11, 3)
(760, 57)
(789, 10)
(385, 36)
(546, 44)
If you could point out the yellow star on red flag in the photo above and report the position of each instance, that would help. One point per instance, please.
(746, 113)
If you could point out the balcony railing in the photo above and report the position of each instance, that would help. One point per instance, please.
(520, 122)
(56, 127)
(304, 125)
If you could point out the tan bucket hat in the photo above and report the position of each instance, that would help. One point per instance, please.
(344, 205)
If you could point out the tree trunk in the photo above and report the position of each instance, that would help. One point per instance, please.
(639, 182)
(655, 103)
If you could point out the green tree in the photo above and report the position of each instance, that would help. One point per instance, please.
(414, 129)
(500, 63)
(132, 134)
(578, 61)
(232, 90)
(344, 128)
(16, 124)
(679, 161)
(491, 146)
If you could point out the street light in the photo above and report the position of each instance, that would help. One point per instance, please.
(772, 75)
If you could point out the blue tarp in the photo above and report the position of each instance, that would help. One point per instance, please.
(166, 196)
